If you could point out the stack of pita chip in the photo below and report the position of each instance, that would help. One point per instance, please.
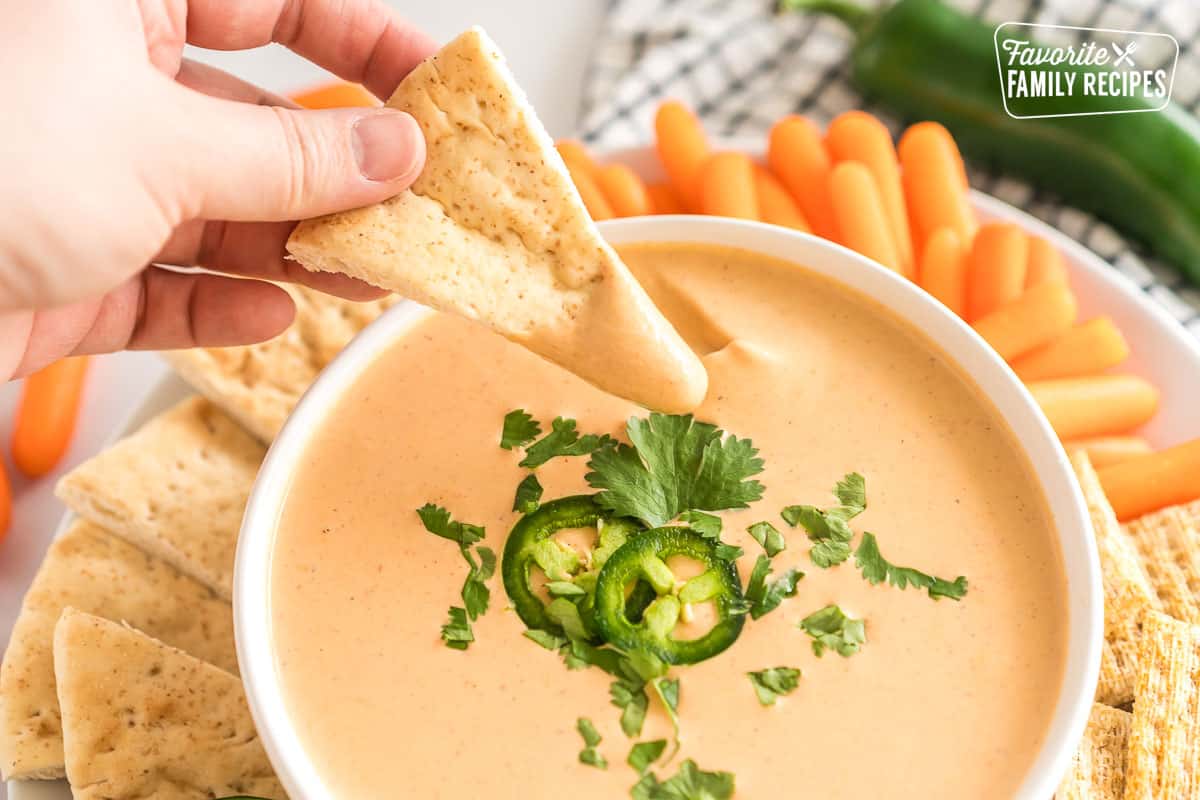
(121, 673)
(1151, 657)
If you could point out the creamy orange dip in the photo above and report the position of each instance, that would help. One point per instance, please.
(945, 699)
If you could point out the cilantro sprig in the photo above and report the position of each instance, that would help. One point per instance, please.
(829, 529)
(689, 783)
(476, 596)
(771, 684)
(876, 569)
(674, 464)
(563, 440)
(831, 629)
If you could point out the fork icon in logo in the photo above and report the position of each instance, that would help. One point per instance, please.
(1124, 55)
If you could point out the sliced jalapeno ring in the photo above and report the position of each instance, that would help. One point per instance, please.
(642, 558)
(530, 544)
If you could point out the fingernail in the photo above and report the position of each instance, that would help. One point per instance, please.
(387, 145)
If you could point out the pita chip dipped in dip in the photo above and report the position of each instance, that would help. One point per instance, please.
(493, 230)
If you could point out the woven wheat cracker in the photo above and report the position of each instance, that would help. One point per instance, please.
(1164, 740)
(1127, 592)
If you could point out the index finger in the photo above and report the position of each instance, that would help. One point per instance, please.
(363, 41)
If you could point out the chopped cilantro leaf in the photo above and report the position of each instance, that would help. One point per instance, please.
(579, 655)
(475, 592)
(519, 429)
(851, 492)
(690, 783)
(769, 684)
(876, 569)
(456, 633)
(591, 737)
(643, 754)
(769, 537)
(631, 698)
(545, 638)
(438, 522)
(763, 598)
(829, 530)
(668, 693)
(707, 525)
(529, 495)
(729, 552)
(675, 464)
(563, 440)
(831, 629)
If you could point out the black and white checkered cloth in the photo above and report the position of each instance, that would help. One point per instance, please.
(742, 67)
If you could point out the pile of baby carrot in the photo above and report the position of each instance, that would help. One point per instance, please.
(906, 205)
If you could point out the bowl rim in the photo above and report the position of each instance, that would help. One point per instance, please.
(957, 341)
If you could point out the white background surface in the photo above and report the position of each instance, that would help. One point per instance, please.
(547, 45)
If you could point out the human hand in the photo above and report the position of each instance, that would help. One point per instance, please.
(118, 155)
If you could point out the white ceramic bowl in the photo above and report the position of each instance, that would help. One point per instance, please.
(252, 580)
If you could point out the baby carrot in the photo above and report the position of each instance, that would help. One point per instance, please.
(935, 183)
(46, 416)
(797, 156)
(593, 199)
(1150, 482)
(858, 212)
(1098, 405)
(995, 268)
(1040, 315)
(575, 155)
(623, 190)
(682, 148)
(5, 501)
(775, 205)
(1045, 263)
(1086, 349)
(1104, 451)
(727, 186)
(943, 270)
(337, 94)
(663, 199)
(858, 136)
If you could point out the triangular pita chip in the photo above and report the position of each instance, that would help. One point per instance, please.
(177, 488)
(141, 719)
(259, 384)
(92, 570)
(494, 230)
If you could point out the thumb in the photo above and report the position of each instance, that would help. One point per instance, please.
(235, 161)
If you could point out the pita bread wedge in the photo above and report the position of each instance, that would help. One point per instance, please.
(90, 569)
(142, 719)
(176, 488)
(1097, 769)
(1164, 740)
(1127, 592)
(494, 230)
(1168, 542)
(259, 385)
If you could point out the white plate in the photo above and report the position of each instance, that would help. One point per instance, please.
(1163, 352)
